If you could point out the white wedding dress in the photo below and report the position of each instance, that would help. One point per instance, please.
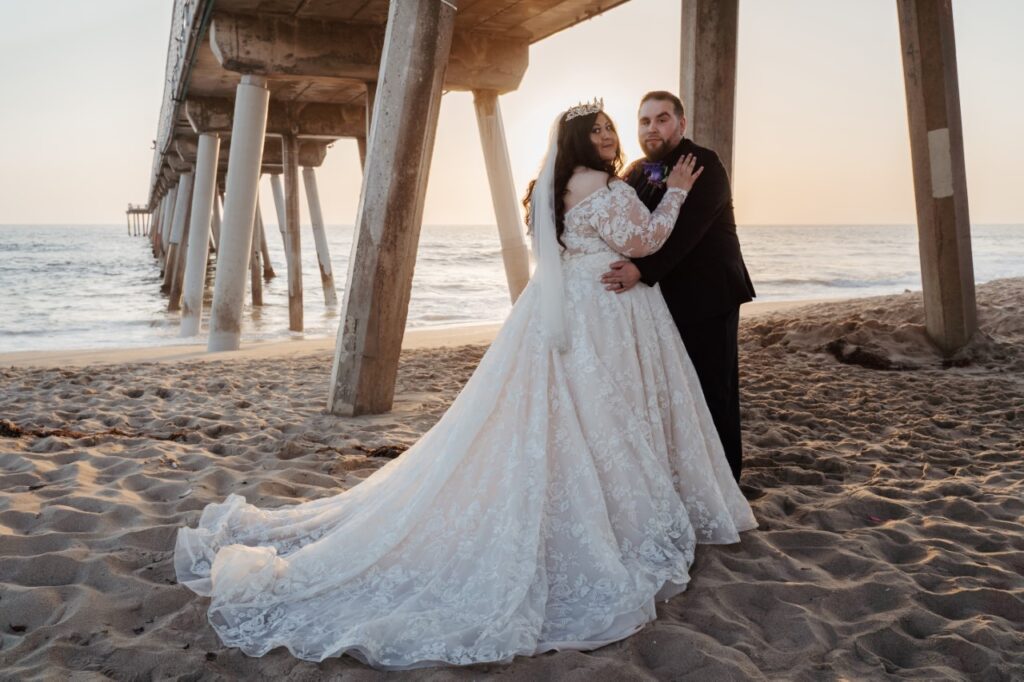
(556, 500)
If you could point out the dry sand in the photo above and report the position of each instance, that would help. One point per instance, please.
(890, 495)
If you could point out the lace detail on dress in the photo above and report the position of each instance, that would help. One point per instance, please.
(559, 495)
(617, 218)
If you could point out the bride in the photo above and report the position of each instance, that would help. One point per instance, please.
(563, 492)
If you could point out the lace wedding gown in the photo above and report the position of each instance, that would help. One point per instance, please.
(555, 501)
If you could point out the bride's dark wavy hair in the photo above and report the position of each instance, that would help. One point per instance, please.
(574, 149)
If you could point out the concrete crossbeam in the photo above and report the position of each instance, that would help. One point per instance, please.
(310, 119)
(311, 154)
(276, 45)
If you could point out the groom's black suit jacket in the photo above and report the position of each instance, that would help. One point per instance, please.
(700, 267)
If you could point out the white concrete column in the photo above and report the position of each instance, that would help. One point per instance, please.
(165, 223)
(246, 157)
(323, 254)
(416, 47)
(182, 204)
(154, 227)
(172, 198)
(215, 223)
(268, 268)
(940, 175)
(503, 192)
(178, 277)
(204, 195)
(279, 204)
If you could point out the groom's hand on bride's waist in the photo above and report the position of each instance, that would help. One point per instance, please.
(623, 276)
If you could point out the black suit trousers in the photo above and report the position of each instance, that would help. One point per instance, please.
(712, 345)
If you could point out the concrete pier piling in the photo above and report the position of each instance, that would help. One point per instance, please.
(268, 268)
(290, 157)
(246, 153)
(940, 176)
(215, 222)
(707, 73)
(203, 197)
(167, 221)
(323, 253)
(514, 253)
(255, 281)
(279, 209)
(416, 48)
(182, 202)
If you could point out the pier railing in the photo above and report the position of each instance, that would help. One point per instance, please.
(188, 25)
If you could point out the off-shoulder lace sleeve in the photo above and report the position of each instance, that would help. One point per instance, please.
(627, 226)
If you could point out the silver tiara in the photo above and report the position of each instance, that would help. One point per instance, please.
(584, 109)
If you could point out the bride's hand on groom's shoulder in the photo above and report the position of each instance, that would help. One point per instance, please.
(684, 174)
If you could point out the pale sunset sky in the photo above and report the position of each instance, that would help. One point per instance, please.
(821, 129)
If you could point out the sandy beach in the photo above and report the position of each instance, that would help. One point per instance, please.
(888, 482)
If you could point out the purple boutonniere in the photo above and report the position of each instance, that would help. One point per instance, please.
(655, 172)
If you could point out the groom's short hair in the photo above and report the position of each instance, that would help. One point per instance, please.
(665, 96)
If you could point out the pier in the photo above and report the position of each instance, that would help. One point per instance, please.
(255, 89)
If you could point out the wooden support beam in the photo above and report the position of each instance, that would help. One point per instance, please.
(514, 253)
(279, 45)
(707, 74)
(419, 36)
(940, 177)
(290, 147)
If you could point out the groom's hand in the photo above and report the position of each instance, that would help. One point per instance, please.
(623, 276)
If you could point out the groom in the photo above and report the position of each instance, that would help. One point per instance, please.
(700, 267)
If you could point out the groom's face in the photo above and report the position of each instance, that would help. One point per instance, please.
(659, 128)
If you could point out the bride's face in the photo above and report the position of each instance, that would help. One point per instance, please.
(604, 137)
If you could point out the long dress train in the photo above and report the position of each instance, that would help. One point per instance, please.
(558, 497)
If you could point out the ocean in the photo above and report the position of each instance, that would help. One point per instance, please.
(78, 287)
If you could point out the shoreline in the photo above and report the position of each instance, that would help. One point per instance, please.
(414, 339)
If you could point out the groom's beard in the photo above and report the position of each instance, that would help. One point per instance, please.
(656, 150)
